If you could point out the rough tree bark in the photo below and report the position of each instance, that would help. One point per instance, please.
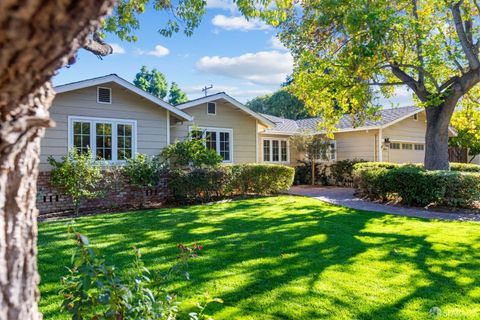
(37, 37)
(436, 138)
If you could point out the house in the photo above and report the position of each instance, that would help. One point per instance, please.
(117, 120)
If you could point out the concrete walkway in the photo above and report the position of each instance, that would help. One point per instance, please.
(344, 197)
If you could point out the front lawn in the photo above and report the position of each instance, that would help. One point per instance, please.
(289, 258)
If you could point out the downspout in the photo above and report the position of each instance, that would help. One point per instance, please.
(256, 142)
(380, 148)
(168, 127)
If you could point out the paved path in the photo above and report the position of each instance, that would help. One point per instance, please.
(344, 197)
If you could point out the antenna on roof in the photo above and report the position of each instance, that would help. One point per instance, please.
(205, 89)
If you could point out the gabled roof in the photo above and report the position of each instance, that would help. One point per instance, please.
(387, 117)
(224, 96)
(127, 85)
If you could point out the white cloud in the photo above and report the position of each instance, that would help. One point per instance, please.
(221, 4)
(264, 67)
(275, 43)
(238, 23)
(117, 49)
(159, 51)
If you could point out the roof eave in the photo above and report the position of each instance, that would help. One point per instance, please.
(124, 83)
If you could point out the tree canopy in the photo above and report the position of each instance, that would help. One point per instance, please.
(176, 95)
(466, 122)
(281, 104)
(153, 82)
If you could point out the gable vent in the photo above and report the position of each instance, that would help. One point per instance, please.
(104, 95)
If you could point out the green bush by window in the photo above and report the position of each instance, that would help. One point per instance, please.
(412, 185)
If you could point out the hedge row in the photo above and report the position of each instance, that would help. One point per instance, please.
(338, 173)
(454, 166)
(412, 185)
(207, 184)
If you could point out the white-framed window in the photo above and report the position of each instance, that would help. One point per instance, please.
(218, 139)
(407, 146)
(104, 95)
(211, 108)
(419, 147)
(395, 145)
(112, 140)
(275, 150)
(331, 152)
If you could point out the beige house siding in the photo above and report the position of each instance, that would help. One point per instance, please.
(408, 131)
(227, 116)
(356, 145)
(150, 119)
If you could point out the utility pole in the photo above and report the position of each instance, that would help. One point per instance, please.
(205, 89)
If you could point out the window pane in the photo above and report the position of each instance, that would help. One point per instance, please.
(266, 150)
(211, 108)
(283, 150)
(225, 145)
(124, 141)
(81, 136)
(332, 150)
(275, 151)
(211, 140)
(419, 147)
(407, 146)
(104, 141)
(394, 145)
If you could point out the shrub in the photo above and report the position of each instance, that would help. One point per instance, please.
(465, 167)
(412, 185)
(94, 290)
(303, 173)
(200, 184)
(341, 172)
(262, 178)
(77, 175)
(191, 152)
(143, 172)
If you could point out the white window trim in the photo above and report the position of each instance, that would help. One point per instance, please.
(216, 129)
(93, 142)
(271, 150)
(328, 152)
(416, 144)
(212, 114)
(98, 95)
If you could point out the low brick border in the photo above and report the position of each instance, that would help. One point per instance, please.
(120, 196)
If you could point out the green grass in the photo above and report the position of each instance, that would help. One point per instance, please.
(290, 258)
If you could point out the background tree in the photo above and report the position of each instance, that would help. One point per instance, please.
(349, 53)
(281, 104)
(466, 122)
(176, 95)
(153, 82)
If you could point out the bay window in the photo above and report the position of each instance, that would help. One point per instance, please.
(275, 150)
(109, 139)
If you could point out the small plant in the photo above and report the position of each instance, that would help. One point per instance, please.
(191, 152)
(94, 290)
(143, 172)
(78, 175)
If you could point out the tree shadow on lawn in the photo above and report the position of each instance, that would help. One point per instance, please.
(304, 260)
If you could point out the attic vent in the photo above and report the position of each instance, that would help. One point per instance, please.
(211, 108)
(415, 116)
(104, 95)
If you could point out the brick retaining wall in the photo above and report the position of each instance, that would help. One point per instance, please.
(120, 196)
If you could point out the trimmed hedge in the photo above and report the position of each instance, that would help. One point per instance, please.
(261, 178)
(412, 185)
(465, 167)
(208, 184)
(454, 166)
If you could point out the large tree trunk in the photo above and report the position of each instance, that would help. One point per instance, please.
(36, 38)
(436, 139)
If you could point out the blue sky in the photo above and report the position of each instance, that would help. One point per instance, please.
(240, 57)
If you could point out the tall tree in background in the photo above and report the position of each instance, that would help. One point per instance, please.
(176, 95)
(281, 104)
(349, 53)
(153, 82)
